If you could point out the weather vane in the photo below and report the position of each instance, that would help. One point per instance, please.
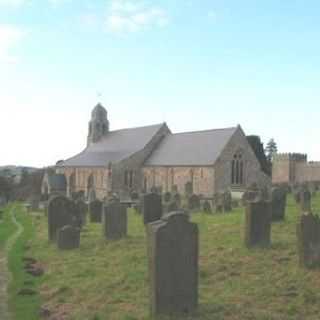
(99, 95)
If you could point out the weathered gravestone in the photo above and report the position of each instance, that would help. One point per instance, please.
(170, 207)
(206, 207)
(60, 213)
(305, 200)
(177, 199)
(68, 238)
(251, 194)
(95, 211)
(188, 189)
(151, 207)
(193, 202)
(278, 203)
(227, 201)
(258, 223)
(308, 234)
(173, 264)
(167, 197)
(218, 202)
(115, 220)
(81, 212)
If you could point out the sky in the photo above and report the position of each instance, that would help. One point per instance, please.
(195, 64)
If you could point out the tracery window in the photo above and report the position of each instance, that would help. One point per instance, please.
(237, 168)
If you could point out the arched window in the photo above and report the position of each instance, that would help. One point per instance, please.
(237, 168)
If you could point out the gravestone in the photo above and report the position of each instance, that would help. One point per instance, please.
(60, 213)
(115, 220)
(170, 207)
(174, 189)
(177, 199)
(188, 189)
(151, 207)
(258, 223)
(305, 200)
(227, 201)
(278, 203)
(173, 264)
(134, 195)
(82, 210)
(91, 195)
(206, 207)
(68, 238)
(308, 235)
(194, 202)
(167, 197)
(218, 202)
(251, 194)
(95, 211)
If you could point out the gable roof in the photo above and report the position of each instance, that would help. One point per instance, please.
(199, 148)
(114, 147)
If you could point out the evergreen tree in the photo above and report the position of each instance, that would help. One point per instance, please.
(257, 146)
(271, 149)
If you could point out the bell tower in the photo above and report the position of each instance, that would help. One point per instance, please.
(98, 125)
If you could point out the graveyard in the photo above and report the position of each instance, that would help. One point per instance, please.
(109, 279)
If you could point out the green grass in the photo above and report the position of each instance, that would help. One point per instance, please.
(6, 227)
(109, 279)
(21, 307)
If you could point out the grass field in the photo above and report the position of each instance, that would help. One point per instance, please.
(109, 280)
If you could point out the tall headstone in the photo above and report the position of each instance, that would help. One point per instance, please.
(151, 207)
(68, 238)
(115, 220)
(278, 203)
(227, 201)
(258, 223)
(60, 213)
(188, 188)
(82, 211)
(173, 264)
(95, 211)
(193, 202)
(308, 234)
(305, 200)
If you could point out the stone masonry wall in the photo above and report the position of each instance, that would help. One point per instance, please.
(100, 178)
(135, 163)
(167, 177)
(252, 169)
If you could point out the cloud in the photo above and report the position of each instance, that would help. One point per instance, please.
(133, 16)
(10, 36)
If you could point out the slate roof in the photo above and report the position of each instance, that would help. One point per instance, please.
(114, 147)
(199, 148)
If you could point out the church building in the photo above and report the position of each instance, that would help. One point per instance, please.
(138, 159)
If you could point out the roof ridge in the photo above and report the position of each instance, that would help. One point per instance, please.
(206, 130)
(140, 127)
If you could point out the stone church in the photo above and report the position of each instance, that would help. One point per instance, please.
(138, 159)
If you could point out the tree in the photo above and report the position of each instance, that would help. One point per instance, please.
(257, 147)
(271, 149)
(5, 188)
